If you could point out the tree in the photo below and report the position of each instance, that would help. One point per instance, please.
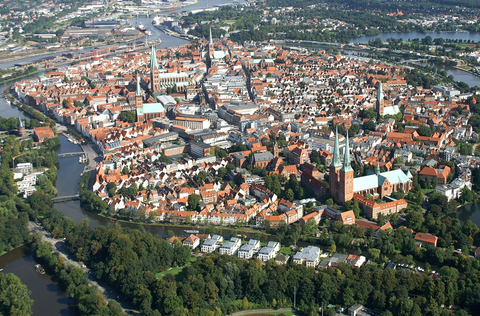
(14, 296)
(424, 130)
(129, 116)
(369, 126)
(374, 253)
(415, 220)
(193, 202)
(289, 195)
(165, 159)
(222, 172)
(245, 303)
(112, 189)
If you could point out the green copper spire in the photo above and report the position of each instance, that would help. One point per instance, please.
(378, 168)
(138, 92)
(153, 58)
(346, 159)
(336, 152)
(380, 93)
(210, 42)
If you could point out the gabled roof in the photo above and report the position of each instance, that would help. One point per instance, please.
(365, 183)
(394, 177)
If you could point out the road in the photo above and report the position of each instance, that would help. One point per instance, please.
(59, 245)
(260, 311)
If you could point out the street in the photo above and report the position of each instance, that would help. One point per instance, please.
(92, 156)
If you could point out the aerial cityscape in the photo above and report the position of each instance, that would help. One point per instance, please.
(240, 157)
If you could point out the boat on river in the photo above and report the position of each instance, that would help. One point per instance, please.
(191, 231)
(39, 269)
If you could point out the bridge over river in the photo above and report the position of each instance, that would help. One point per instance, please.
(66, 198)
(80, 153)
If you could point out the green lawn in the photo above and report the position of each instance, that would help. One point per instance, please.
(275, 313)
(175, 271)
(286, 250)
(467, 68)
(426, 191)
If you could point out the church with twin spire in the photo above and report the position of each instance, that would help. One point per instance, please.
(343, 184)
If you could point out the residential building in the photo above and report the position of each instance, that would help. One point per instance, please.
(192, 241)
(230, 247)
(249, 249)
(426, 239)
(441, 173)
(210, 245)
(454, 190)
(299, 156)
(269, 252)
(309, 255)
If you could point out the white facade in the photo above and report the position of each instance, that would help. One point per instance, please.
(269, 252)
(454, 189)
(248, 250)
(210, 245)
(230, 247)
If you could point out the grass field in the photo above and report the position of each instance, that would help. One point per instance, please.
(175, 271)
(467, 68)
(275, 313)
(286, 250)
(425, 191)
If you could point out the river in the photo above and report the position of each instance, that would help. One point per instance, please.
(412, 35)
(49, 297)
(471, 212)
(68, 177)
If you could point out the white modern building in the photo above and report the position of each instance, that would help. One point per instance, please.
(454, 190)
(230, 247)
(210, 245)
(248, 250)
(269, 252)
(309, 255)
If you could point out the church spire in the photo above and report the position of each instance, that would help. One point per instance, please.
(378, 168)
(380, 93)
(153, 58)
(346, 159)
(210, 42)
(336, 151)
(138, 92)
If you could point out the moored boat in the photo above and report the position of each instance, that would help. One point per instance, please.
(39, 269)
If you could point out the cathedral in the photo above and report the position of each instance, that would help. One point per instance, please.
(379, 184)
(149, 109)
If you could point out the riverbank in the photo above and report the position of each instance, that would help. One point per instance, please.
(22, 76)
(60, 248)
(26, 108)
(468, 71)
